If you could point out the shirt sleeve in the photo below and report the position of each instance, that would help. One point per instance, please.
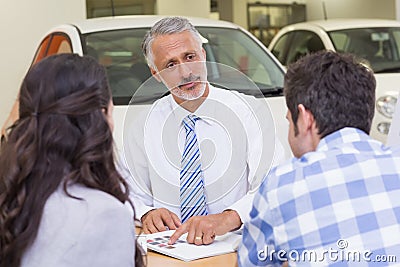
(142, 201)
(264, 147)
(258, 234)
(133, 166)
(264, 151)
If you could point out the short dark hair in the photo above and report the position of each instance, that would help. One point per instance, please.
(338, 89)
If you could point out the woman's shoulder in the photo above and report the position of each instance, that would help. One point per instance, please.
(89, 202)
(91, 195)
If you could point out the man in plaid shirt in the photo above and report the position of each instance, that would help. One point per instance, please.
(338, 202)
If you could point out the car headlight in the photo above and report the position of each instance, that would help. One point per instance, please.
(386, 105)
(383, 127)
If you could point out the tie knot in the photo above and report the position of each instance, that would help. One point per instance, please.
(189, 121)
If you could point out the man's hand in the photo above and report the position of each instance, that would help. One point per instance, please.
(158, 220)
(203, 229)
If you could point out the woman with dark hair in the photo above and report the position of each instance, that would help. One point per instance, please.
(62, 201)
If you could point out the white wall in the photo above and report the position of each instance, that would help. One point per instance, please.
(240, 12)
(240, 8)
(192, 8)
(397, 3)
(384, 9)
(22, 25)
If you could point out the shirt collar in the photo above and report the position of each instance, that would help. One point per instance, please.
(342, 137)
(205, 112)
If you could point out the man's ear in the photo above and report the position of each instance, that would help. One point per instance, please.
(305, 121)
(204, 53)
(155, 74)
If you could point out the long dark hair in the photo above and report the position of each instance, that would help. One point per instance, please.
(62, 137)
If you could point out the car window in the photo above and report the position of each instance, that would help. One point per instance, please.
(120, 52)
(234, 48)
(303, 43)
(41, 51)
(396, 40)
(339, 40)
(380, 46)
(279, 50)
(55, 43)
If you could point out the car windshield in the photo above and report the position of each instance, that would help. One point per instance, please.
(380, 46)
(120, 52)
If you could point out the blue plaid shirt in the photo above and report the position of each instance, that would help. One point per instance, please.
(337, 206)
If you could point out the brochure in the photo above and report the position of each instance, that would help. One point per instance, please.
(187, 252)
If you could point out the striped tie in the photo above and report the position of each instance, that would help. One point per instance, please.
(193, 200)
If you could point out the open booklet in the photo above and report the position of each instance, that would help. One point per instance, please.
(187, 252)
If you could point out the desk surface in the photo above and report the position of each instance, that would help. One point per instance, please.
(156, 259)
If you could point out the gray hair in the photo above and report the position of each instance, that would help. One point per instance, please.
(165, 26)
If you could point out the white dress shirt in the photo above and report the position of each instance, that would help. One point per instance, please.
(96, 231)
(237, 145)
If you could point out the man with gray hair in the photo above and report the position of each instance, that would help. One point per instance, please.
(201, 185)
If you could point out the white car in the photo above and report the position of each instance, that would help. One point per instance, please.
(378, 41)
(116, 43)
